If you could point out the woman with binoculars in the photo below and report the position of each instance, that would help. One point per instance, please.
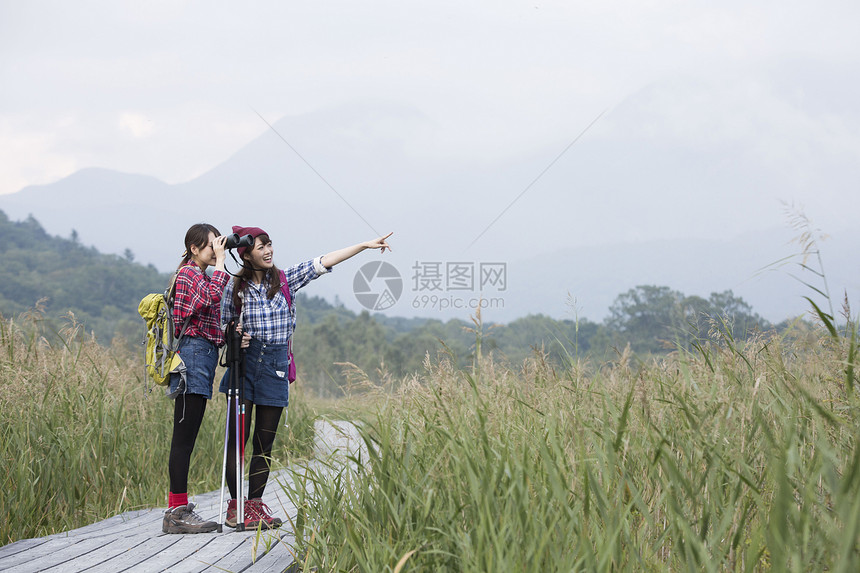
(196, 316)
(267, 317)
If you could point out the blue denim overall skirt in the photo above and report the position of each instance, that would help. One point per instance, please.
(266, 367)
(201, 358)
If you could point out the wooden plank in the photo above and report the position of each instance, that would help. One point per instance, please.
(277, 559)
(117, 526)
(133, 541)
(19, 546)
(237, 560)
(269, 542)
(234, 551)
(100, 556)
(183, 549)
(143, 552)
(40, 561)
(228, 551)
(115, 523)
(49, 546)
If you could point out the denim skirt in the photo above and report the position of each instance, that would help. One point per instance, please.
(201, 358)
(266, 367)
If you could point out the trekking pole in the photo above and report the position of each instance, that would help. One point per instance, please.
(234, 360)
(229, 360)
(240, 467)
(224, 467)
(240, 433)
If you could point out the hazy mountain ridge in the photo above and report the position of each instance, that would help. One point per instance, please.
(60, 276)
(383, 186)
(748, 265)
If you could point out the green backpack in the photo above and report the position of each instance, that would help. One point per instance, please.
(160, 344)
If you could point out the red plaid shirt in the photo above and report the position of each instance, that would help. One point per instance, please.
(199, 296)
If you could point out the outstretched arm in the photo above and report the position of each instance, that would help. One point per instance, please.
(335, 257)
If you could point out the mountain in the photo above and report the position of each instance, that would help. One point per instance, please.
(60, 276)
(322, 181)
(759, 267)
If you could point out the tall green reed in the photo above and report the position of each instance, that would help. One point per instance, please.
(80, 438)
(746, 461)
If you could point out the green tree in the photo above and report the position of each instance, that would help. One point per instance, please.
(647, 317)
(737, 313)
(657, 318)
(60, 275)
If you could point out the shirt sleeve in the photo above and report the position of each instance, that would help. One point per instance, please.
(228, 310)
(196, 291)
(301, 274)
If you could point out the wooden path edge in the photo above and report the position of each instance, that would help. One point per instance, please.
(133, 541)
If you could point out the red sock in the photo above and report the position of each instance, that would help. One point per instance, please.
(176, 499)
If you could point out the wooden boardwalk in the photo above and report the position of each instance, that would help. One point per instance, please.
(133, 541)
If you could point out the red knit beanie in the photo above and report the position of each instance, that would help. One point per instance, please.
(242, 231)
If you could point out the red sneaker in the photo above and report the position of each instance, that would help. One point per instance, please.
(230, 520)
(257, 514)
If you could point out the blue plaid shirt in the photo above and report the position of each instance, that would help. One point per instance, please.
(270, 321)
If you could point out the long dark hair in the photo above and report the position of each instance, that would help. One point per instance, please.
(197, 235)
(247, 273)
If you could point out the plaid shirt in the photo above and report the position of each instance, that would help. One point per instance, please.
(199, 296)
(271, 321)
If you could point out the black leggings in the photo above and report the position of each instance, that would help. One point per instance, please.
(265, 429)
(188, 410)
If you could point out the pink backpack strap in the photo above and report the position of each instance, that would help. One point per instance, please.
(285, 290)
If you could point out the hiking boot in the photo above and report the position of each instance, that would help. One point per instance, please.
(257, 515)
(230, 520)
(182, 519)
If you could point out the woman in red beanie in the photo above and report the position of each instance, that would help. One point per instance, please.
(197, 316)
(268, 318)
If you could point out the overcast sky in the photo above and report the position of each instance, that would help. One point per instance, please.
(767, 90)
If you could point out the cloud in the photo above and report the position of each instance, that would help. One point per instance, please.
(485, 83)
(744, 112)
(30, 155)
(136, 124)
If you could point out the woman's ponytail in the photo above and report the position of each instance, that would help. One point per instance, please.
(197, 235)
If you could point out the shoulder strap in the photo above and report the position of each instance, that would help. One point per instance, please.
(169, 295)
(170, 292)
(285, 288)
(182, 332)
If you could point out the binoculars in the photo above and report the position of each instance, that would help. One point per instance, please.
(234, 241)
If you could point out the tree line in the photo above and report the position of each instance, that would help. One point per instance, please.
(59, 276)
(650, 319)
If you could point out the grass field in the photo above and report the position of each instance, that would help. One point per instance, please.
(82, 439)
(732, 458)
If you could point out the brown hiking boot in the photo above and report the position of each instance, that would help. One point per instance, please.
(257, 515)
(182, 519)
